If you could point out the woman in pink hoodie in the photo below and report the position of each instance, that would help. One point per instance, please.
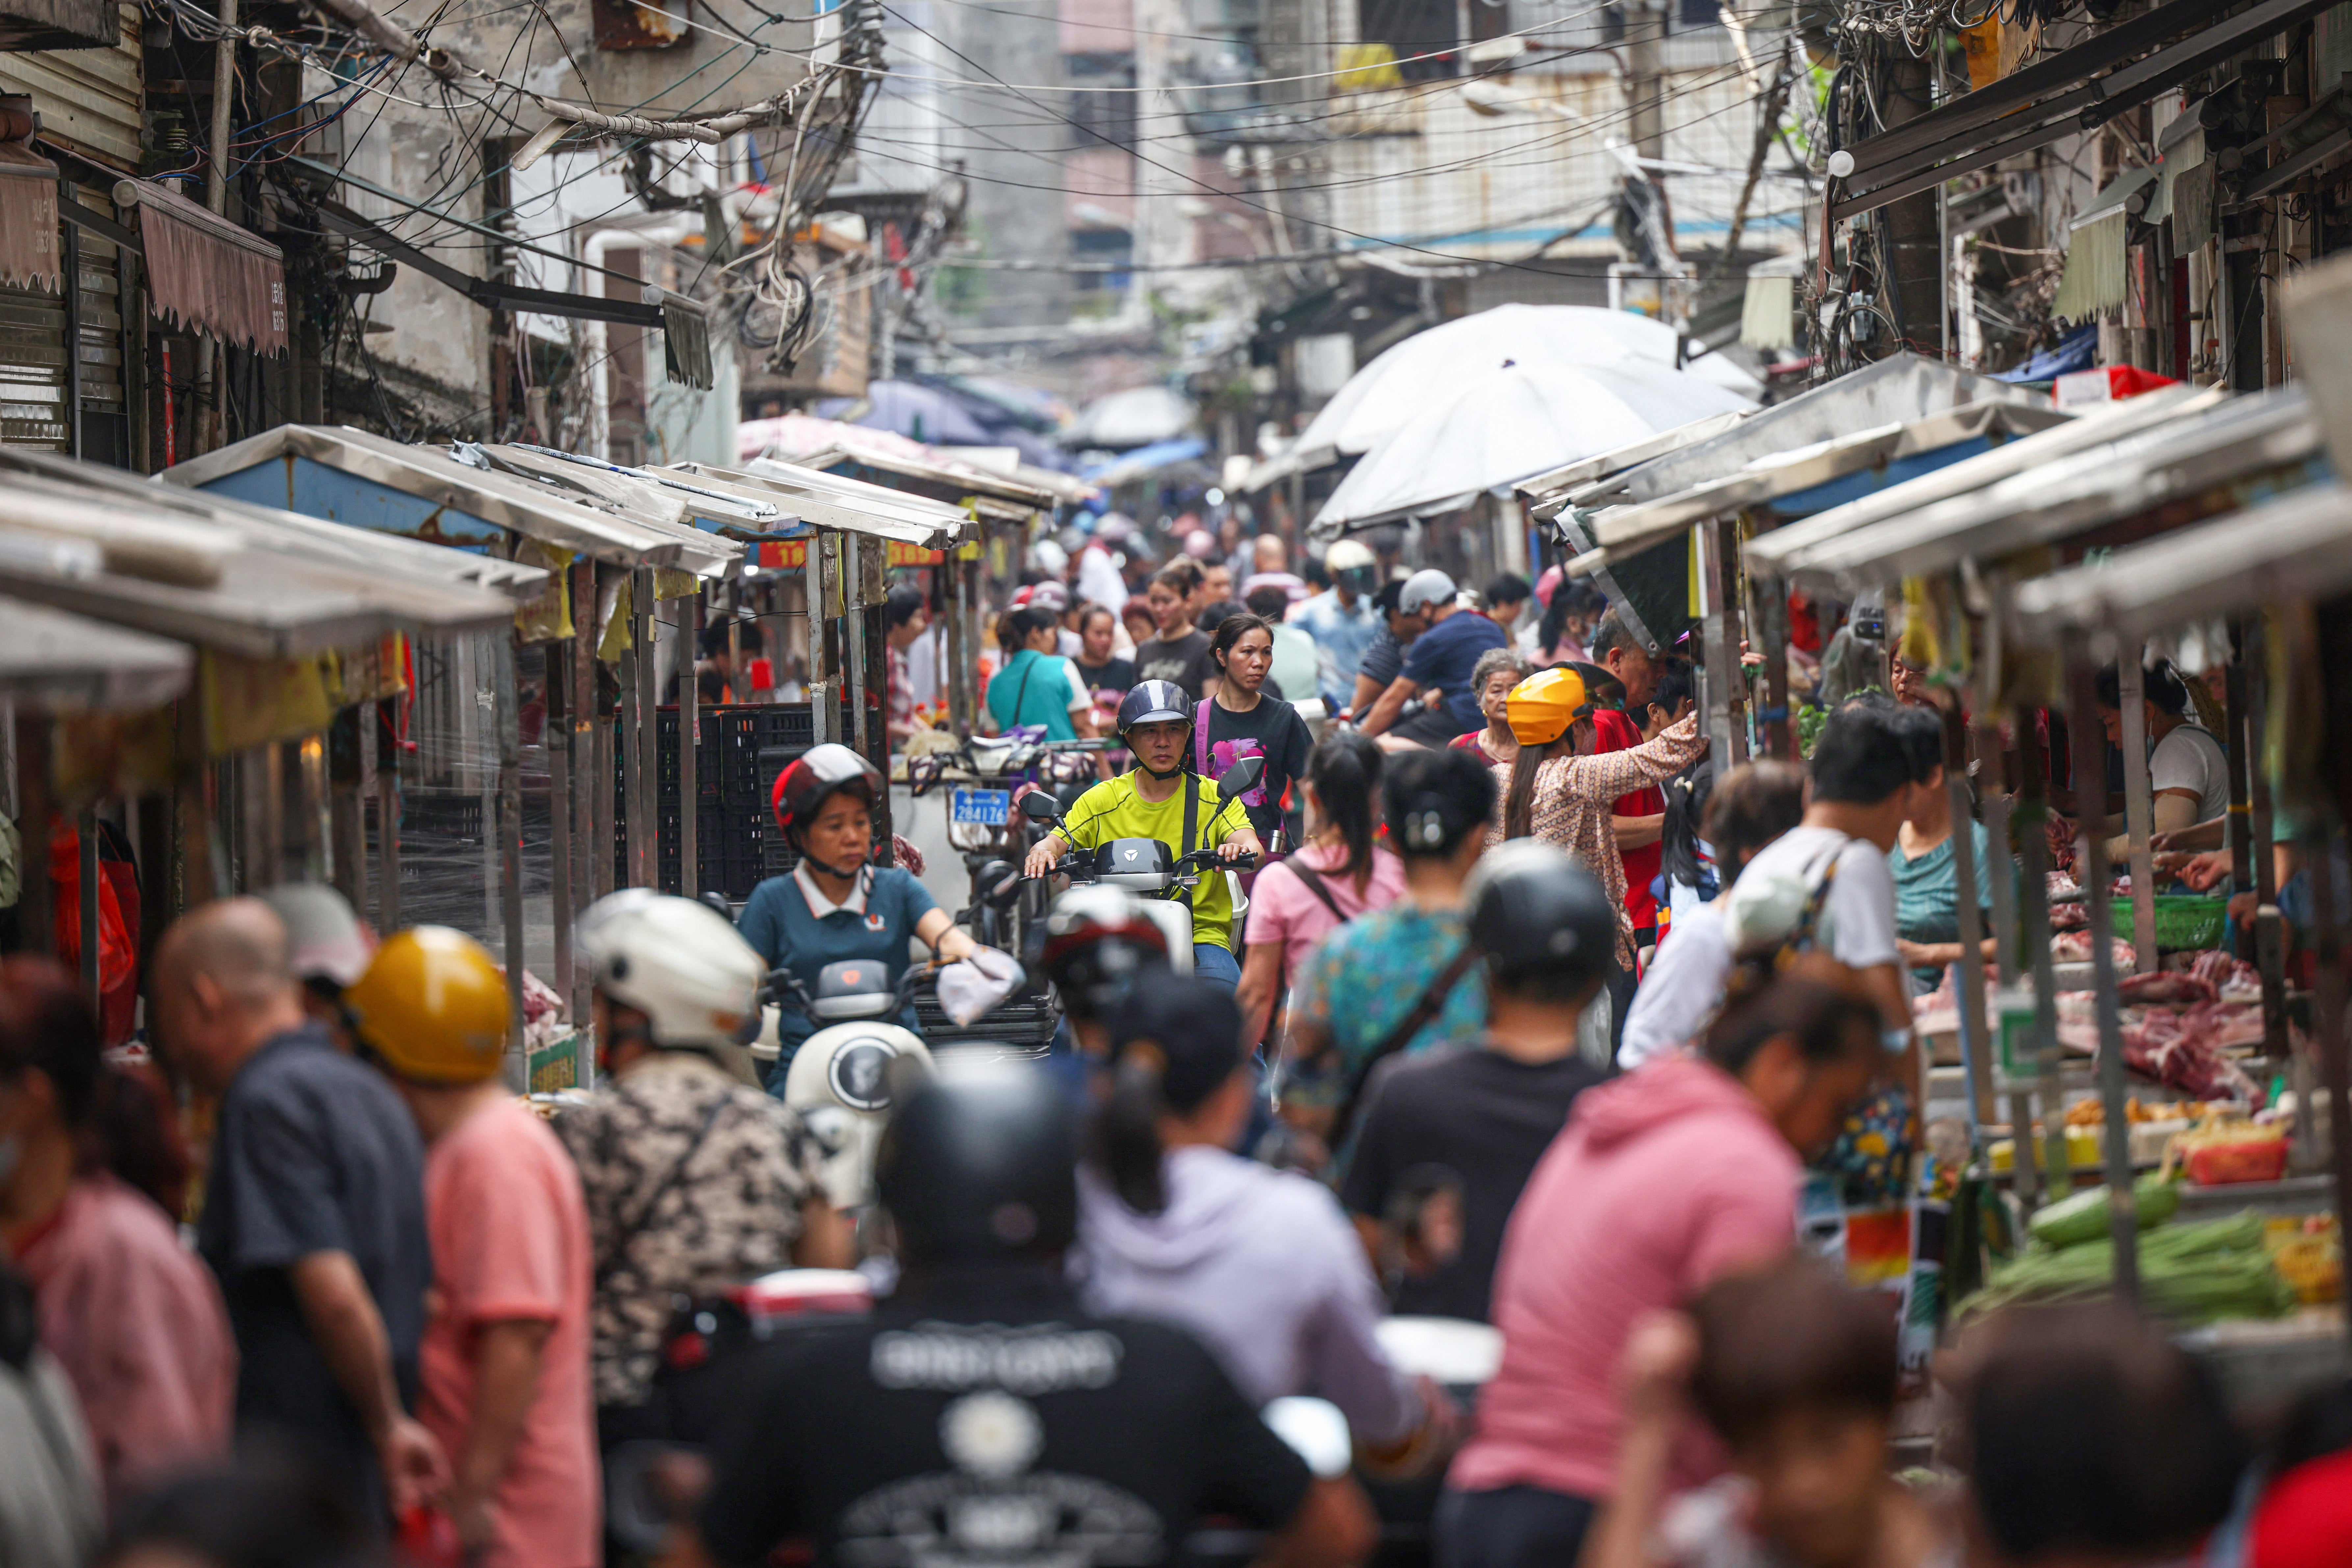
(1662, 1182)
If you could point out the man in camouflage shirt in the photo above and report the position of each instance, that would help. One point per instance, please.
(695, 1181)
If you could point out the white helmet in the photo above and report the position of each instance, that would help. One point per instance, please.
(679, 963)
(1349, 554)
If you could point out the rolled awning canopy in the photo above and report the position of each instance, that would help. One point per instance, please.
(206, 273)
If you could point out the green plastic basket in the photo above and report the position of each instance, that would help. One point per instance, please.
(2188, 920)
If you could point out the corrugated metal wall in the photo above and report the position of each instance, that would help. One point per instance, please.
(89, 98)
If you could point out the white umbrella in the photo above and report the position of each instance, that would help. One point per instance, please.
(1401, 384)
(1138, 417)
(1519, 419)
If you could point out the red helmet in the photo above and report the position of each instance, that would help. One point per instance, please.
(812, 777)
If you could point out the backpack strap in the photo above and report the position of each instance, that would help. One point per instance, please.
(1192, 824)
(1313, 881)
(1801, 936)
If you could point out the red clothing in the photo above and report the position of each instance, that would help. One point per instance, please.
(2305, 1518)
(1662, 1182)
(1613, 732)
(1475, 743)
(509, 1231)
(136, 1320)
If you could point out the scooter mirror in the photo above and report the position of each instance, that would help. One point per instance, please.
(1038, 805)
(1241, 778)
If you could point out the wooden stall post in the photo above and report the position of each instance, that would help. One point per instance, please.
(1726, 687)
(854, 686)
(310, 795)
(603, 842)
(509, 827)
(817, 589)
(1976, 1039)
(2089, 773)
(2139, 813)
(957, 640)
(36, 895)
(1772, 618)
(557, 732)
(346, 818)
(580, 730)
(2034, 918)
(632, 755)
(689, 742)
(645, 637)
(386, 721)
(1992, 757)
(871, 621)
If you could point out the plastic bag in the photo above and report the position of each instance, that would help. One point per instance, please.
(969, 988)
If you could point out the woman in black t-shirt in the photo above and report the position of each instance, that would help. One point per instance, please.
(1244, 720)
(1106, 675)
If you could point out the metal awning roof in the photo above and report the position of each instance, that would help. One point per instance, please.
(2241, 439)
(836, 500)
(176, 576)
(2296, 547)
(331, 543)
(1548, 494)
(710, 509)
(979, 486)
(1626, 531)
(2100, 422)
(1895, 390)
(58, 663)
(425, 491)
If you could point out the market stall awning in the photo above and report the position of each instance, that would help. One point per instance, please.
(331, 543)
(1547, 493)
(2298, 546)
(425, 493)
(1011, 497)
(837, 502)
(205, 272)
(1895, 390)
(1772, 553)
(53, 662)
(1826, 473)
(28, 219)
(176, 576)
(1144, 461)
(2224, 456)
(656, 491)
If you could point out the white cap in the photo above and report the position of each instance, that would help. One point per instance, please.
(324, 938)
(1425, 587)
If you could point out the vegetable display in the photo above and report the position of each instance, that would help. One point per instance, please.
(2189, 1274)
(2083, 1217)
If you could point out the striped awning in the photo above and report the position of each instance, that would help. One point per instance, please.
(205, 272)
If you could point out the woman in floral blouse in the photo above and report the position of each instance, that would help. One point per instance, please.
(1558, 790)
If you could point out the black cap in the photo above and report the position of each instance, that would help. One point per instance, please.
(980, 1165)
(1195, 1025)
(1541, 918)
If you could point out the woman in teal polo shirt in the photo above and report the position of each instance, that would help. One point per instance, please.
(1037, 686)
(834, 905)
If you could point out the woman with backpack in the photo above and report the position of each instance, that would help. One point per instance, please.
(1244, 718)
(1337, 874)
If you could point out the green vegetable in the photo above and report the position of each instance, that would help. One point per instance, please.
(2072, 1221)
(2189, 1274)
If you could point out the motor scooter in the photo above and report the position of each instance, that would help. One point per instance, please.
(1156, 874)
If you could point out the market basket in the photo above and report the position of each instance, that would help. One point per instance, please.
(2188, 920)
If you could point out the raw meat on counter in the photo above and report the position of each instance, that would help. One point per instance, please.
(2232, 979)
(2173, 988)
(2074, 947)
(2183, 1050)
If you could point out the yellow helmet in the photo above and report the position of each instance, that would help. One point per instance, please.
(433, 1005)
(1545, 704)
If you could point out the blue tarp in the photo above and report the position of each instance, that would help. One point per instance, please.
(1144, 460)
(2078, 349)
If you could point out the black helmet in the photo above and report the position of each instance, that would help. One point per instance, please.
(1154, 702)
(1541, 920)
(980, 1165)
(1096, 943)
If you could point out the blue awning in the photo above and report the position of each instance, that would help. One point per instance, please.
(1145, 460)
(2078, 349)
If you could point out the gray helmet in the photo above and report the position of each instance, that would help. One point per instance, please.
(1541, 920)
(1154, 702)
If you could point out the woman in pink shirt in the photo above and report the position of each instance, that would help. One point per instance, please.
(133, 1317)
(1335, 874)
(1663, 1181)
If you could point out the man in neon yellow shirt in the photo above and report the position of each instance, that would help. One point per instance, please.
(1159, 800)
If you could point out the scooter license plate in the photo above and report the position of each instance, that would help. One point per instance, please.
(981, 807)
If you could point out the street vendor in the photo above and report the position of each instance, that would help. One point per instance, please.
(834, 905)
(2189, 773)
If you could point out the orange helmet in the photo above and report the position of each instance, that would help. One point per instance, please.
(1545, 704)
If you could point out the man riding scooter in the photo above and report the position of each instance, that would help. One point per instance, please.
(1159, 799)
